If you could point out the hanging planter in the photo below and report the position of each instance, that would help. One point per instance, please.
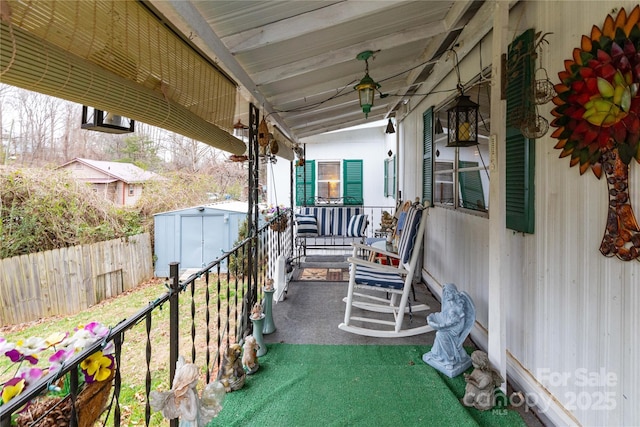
(280, 223)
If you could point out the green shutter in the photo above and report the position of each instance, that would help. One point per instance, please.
(352, 178)
(306, 185)
(393, 185)
(386, 177)
(427, 157)
(520, 151)
(471, 187)
(390, 177)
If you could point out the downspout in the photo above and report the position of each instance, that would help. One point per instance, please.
(498, 292)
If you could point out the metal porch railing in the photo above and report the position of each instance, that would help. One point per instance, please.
(226, 320)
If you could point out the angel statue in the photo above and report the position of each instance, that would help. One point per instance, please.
(182, 400)
(452, 325)
(481, 383)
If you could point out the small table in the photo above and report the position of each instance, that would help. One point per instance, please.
(381, 233)
(385, 246)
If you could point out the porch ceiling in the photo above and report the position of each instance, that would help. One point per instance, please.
(297, 59)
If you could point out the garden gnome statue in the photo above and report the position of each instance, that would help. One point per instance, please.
(452, 325)
(250, 355)
(481, 383)
(231, 373)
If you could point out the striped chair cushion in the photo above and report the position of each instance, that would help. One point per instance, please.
(307, 225)
(409, 233)
(374, 277)
(357, 226)
(340, 220)
(323, 217)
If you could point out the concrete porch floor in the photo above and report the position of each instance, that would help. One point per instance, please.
(312, 310)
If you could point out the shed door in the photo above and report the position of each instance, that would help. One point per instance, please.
(202, 240)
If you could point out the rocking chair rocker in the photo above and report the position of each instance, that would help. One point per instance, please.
(395, 281)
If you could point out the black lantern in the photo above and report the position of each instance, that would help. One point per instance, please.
(104, 121)
(463, 123)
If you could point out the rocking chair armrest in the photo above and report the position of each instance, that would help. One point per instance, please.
(376, 250)
(377, 266)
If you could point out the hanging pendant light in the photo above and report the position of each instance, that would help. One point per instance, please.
(462, 120)
(463, 123)
(367, 86)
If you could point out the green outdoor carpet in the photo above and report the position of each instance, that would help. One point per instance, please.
(350, 385)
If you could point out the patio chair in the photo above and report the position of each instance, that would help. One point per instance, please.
(395, 281)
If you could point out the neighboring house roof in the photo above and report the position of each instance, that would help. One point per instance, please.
(127, 172)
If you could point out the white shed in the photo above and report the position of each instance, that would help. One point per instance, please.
(196, 236)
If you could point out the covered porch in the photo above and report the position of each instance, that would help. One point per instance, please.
(552, 302)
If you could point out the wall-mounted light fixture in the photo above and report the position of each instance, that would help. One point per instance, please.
(367, 86)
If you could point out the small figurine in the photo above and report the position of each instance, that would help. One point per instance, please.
(182, 400)
(211, 402)
(250, 355)
(268, 286)
(231, 373)
(481, 383)
(452, 326)
(256, 311)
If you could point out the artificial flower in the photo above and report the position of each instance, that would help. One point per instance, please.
(55, 338)
(31, 346)
(16, 356)
(6, 346)
(97, 367)
(12, 388)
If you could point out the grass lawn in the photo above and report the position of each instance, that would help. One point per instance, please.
(133, 365)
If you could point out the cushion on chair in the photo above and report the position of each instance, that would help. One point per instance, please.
(340, 218)
(357, 226)
(323, 218)
(307, 225)
(409, 233)
(374, 277)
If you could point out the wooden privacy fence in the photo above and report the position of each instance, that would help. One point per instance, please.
(68, 280)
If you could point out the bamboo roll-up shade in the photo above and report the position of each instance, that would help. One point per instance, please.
(117, 57)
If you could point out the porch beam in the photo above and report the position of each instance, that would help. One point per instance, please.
(497, 334)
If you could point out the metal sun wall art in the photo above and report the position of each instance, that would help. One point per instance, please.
(597, 116)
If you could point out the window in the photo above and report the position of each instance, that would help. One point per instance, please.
(457, 178)
(443, 179)
(329, 180)
(335, 182)
(390, 177)
(131, 188)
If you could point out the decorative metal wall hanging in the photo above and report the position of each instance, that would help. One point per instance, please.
(597, 116)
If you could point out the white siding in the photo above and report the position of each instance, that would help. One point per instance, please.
(570, 311)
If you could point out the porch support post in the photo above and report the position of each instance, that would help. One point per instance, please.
(252, 216)
(497, 340)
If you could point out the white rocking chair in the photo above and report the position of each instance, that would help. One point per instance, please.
(389, 279)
